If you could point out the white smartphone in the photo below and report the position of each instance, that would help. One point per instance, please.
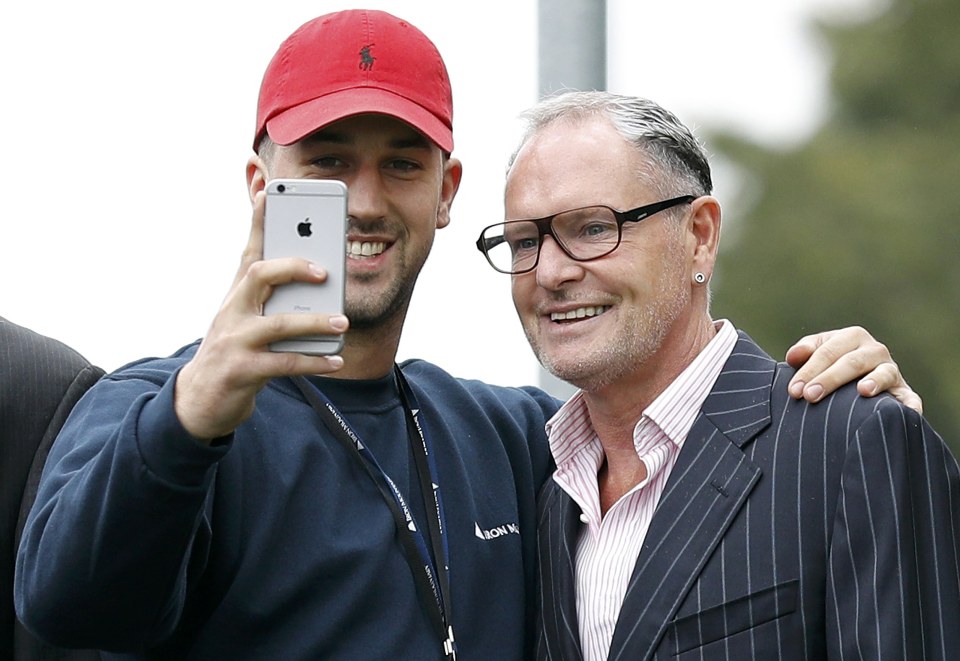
(307, 218)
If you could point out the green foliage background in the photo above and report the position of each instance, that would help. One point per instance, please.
(861, 224)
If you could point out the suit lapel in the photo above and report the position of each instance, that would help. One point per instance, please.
(708, 485)
(559, 527)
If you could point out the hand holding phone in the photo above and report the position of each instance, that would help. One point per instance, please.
(307, 218)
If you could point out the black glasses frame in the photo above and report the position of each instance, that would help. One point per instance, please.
(545, 227)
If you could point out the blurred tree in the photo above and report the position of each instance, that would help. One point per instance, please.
(861, 224)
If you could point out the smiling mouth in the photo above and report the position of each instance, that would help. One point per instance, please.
(579, 313)
(362, 249)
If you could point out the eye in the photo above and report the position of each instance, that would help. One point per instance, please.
(403, 165)
(529, 243)
(327, 162)
(524, 243)
(521, 237)
(595, 229)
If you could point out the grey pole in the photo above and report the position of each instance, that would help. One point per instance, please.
(573, 45)
(572, 56)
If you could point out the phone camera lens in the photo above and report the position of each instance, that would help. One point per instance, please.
(281, 188)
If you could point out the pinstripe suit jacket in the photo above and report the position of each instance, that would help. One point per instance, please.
(786, 531)
(40, 381)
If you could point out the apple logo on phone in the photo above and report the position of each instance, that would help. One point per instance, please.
(303, 228)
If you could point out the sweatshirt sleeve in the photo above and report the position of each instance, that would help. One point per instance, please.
(103, 558)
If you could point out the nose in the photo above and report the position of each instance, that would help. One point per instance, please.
(555, 267)
(366, 198)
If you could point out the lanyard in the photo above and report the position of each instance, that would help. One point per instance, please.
(431, 574)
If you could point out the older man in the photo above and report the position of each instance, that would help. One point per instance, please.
(696, 510)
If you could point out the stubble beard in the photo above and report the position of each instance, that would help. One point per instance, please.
(639, 337)
(368, 310)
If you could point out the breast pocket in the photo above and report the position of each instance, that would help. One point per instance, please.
(733, 617)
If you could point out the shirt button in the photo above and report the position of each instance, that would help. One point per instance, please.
(584, 518)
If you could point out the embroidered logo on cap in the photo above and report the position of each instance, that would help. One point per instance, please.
(366, 59)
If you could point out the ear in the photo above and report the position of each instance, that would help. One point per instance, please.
(704, 230)
(257, 176)
(452, 173)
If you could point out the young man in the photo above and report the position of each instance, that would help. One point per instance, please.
(216, 505)
(697, 511)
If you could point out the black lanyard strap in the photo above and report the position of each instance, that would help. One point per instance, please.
(431, 575)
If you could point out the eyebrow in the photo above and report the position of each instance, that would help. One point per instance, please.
(414, 141)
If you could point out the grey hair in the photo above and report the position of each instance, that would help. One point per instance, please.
(677, 160)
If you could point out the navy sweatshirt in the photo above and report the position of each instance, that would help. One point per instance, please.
(275, 544)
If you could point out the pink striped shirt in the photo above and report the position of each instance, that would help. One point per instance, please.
(607, 548)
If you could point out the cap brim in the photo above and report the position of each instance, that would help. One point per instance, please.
(300, 121)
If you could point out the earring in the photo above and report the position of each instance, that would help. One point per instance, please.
(699, 278)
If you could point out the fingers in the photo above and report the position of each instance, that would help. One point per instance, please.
(800, 352)
(828, 360)
(272, 364)
(240, 327)
(908, 398)
(887, 378)
(268, 329)
(216, 390)
(255, 285)
(213, 397)
(235, 353)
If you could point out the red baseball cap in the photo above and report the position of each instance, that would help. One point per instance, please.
(352, 62)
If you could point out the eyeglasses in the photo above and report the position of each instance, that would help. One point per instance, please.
(583, 234)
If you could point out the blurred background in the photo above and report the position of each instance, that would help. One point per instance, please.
(833, 126)
(857, 223)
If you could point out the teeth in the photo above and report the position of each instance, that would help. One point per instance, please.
(579, 313)
(365, 248)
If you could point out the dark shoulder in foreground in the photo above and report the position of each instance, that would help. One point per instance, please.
(23, 351)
